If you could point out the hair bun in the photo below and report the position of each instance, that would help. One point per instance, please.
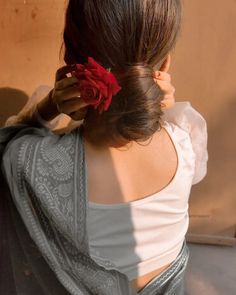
(136, 110)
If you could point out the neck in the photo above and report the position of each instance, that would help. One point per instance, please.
(99, 139)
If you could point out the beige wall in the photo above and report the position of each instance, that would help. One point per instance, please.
(203, 72)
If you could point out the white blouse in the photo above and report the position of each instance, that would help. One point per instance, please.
(141, 236)
(146, 234)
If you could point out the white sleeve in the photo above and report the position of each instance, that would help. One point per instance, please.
(190, 120)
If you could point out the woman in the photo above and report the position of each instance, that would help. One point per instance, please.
(106, 204)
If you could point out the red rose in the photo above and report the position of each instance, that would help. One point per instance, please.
(96, 84)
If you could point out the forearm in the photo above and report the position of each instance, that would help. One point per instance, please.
(46, 109)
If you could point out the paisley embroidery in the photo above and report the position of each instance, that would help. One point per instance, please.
(56, 159)
(52, 185)
(65, 190)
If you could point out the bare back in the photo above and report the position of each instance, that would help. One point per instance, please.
(125, 175)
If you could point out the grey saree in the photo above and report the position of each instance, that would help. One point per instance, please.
(44, 199)
(45, 176)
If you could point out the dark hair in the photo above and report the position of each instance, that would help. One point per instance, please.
(132, 37)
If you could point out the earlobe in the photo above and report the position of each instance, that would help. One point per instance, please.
(166, 64)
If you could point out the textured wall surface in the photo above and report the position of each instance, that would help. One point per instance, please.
(203, 72)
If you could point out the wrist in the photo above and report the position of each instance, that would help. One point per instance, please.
(47, 109)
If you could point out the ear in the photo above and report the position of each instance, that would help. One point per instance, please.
(166, 64)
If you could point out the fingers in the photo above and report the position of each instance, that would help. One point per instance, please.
(159, 75)
(166, 87)
(61, 72)
(73, 105)
(79, 115)
(168, 102)
(163, 80)
(65, 82)
(66, 94)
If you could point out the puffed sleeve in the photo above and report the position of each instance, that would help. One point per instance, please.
(190, 120)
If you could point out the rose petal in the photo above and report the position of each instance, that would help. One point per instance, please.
(96, 84)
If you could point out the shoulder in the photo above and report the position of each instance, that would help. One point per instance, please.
(185, 116)
(188, 119)
(190, 129)
(22, 145)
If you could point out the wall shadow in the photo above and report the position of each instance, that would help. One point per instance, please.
(11, 102)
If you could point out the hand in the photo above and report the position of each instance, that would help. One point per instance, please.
(65, 94)
(163, 80)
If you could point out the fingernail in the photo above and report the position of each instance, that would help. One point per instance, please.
(157, 74)
(163, 105)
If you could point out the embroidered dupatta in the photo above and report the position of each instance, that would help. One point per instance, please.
(45, 175)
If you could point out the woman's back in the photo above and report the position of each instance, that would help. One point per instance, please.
(144, 189)
(123, 182)
(127, 174)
